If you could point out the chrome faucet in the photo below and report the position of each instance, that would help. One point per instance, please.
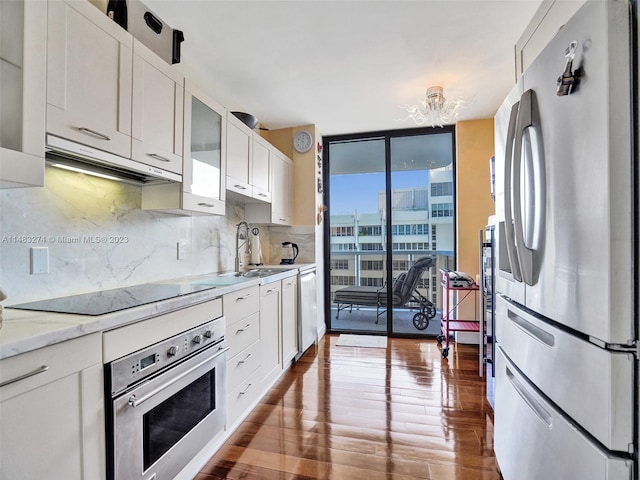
(247, 241)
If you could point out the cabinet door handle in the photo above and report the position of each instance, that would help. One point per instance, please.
(241, 187)
(94, 133)
(240, 330)
(244, 360)
(202, 204)
(245, 390)
(158, 157)
(37, 371)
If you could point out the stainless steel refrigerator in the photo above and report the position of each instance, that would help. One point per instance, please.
(566, 400)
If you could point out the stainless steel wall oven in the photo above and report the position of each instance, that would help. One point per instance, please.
(167, 401)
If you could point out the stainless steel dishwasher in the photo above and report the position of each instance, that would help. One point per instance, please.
(307, 309)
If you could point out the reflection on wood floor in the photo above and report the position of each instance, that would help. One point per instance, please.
(346, 413)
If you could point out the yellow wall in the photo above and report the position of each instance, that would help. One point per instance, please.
(305, 172)
(474, 147)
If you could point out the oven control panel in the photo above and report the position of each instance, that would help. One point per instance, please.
(129, 370)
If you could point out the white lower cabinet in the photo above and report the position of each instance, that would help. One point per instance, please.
(270, 330)
(52, 412)
(243, 397)
(242, 312)
(263, 340)
(289, 320)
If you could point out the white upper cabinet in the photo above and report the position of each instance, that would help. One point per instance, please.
(248, 162)
(261, 168)
(89, 77)
(23, 26)
(279, 211)
(239, 150)
(157, 111)
(205, 139)
(202, 189)
(282, 179)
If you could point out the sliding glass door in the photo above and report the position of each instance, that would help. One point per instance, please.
(391, 227)
(357, 221)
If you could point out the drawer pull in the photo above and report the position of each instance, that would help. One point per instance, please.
(240, 362)
(158, 157)
(94, 133)
(244, 297)
(240, 187)
(202, 204)
(243, 329)
(262, 194)
(531, 329)
(37, 371)
(528, 398)
(245, 390)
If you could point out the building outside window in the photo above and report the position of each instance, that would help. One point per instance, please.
(375, 265)
(441, 189)
(371, 282)
(340, 264)
(442, 210)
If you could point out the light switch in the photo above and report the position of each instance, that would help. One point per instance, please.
(182, 250)
(39, 260)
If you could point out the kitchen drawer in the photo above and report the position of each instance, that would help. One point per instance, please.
(240, 304)
(544, 354)
(553, 447)
(240, 399)
(242, 334)
(39, 367)
(240, 366)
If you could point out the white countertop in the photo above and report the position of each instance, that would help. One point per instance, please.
(26, 330)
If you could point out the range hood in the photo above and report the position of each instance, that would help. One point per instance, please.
(77, 157)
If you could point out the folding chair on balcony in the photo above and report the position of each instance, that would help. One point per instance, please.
(403, 292)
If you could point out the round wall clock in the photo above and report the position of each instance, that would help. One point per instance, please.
(302, 141)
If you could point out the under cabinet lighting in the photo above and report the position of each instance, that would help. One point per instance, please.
(82, 170)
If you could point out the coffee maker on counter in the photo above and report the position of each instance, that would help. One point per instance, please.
(289, 253)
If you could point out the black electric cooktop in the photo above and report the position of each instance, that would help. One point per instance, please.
(108, 301)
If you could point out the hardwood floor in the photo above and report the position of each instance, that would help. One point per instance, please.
(346, 413)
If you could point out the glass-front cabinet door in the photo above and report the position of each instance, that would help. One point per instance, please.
(204, 153)
(22, 92)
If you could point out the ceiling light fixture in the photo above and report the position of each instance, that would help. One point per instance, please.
(434, 110)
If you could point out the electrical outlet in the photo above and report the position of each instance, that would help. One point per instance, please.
(39, 260)
(182, 250)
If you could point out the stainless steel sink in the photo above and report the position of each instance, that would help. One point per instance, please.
(260, 272)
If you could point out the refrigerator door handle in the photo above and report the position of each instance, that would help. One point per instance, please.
(528, 237)
(510, 242)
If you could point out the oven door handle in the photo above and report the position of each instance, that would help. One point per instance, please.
(135, 401)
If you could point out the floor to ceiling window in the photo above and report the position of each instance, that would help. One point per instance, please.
(391, 227)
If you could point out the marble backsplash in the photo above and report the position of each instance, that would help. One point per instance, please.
(98, 238)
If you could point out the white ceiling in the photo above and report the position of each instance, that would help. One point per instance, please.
(349, 66)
